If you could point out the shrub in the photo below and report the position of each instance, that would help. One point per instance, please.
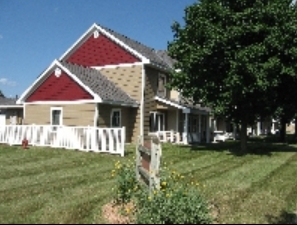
(126, 183)
(175, 202)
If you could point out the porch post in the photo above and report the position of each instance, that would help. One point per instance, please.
(272, 127)
(185, 131)
(207, 128)
(234, 131)
(215, 124)
(177, 120)
(199, 129)
(258, 128)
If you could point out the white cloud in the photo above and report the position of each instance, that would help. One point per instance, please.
(6, 82)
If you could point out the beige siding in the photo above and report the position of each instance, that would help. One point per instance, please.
(127, 78)
(150, 92)
(174, 95)
(73, 114)
(129, 119)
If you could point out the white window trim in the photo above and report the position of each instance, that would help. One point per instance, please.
(61, 116)
(111, 115)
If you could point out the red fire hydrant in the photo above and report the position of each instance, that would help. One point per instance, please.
(25, 143)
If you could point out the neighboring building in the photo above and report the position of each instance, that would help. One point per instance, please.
(106, 79)
(10, 112)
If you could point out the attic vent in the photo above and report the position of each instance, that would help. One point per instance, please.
(96, 34)
(58, 72)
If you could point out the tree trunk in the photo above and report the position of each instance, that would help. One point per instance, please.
(282, 133)
(243, 137)
(295, 134)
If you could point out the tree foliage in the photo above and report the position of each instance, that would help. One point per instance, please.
(233, 56)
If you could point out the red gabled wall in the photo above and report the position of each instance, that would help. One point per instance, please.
(62, 88)
(101, 51)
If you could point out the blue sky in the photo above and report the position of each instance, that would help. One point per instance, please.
(35, 32)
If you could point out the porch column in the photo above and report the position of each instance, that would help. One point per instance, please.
(234, 131)
(177, 120)
(215, 125)
(185, 131)
(272, 127)
(207, 128)
(199, 129)
(258, 128)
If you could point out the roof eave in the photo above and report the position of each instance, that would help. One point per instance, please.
(120, 103)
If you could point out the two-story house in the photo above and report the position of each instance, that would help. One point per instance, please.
(106, 79)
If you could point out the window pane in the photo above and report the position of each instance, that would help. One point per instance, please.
(115, 119)
(56, 117)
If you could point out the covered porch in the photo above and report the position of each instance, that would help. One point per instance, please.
(180, 123)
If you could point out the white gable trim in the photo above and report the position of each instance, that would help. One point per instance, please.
(76, 102)
(169, 103)
(95, 27)
(118, 66)
(39, 80)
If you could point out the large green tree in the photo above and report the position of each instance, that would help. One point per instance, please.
(230, 56)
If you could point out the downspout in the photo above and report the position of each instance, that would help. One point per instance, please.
(142, 102)
(96, 115)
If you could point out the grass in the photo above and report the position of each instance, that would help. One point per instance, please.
(42, 185)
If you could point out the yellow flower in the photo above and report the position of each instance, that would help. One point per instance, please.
(182, 177)
(128, 210)
(164, 183)
(155, 192)
(197, 184)
(192, 183)
(149, 198)
(167, 195)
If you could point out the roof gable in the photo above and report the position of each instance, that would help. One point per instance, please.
(59, 88)
(46, 81)
(98, 50)
(134, 48)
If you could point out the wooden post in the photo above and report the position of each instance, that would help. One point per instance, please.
(138, 158)
(148, 154)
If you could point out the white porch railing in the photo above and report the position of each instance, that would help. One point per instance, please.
(108, 140)
(175, 137)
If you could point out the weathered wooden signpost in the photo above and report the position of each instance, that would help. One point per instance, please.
(148, 159)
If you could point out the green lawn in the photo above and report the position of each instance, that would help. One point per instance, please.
(42, 185)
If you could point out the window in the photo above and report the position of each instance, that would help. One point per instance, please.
(115, 118)
(161, 85)
(56, 117)
(157, 122)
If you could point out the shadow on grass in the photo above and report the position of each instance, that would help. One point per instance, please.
(256, 146)
(284, 218)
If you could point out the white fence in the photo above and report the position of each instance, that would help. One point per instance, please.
(109, 140)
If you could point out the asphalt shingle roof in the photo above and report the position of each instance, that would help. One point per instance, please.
(7, 101)
(100, 84)
(159, 57)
